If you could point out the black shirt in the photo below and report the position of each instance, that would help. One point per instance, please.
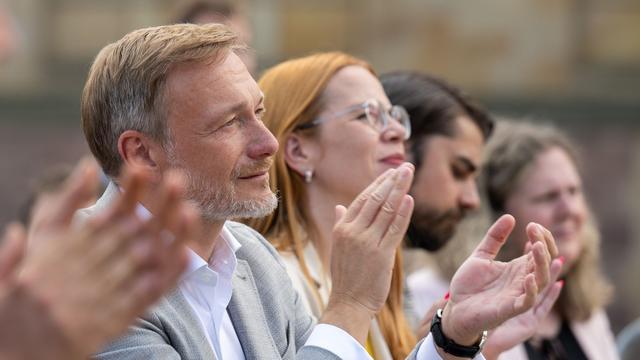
(562, 347)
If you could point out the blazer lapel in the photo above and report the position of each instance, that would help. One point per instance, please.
(247, 315)
(190, 327)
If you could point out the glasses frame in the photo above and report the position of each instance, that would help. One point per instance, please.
(386, 116)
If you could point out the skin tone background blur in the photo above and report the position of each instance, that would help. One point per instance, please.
(574, 62)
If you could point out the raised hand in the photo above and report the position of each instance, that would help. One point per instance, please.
(366, 237)
(522, 327)
(485, 293)
(81, 286)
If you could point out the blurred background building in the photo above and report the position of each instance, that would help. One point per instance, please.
(574, 62)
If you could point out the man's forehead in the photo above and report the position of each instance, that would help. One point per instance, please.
(467, 139)
(225, 82)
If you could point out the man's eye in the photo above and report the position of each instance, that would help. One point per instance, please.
(260, 113)
(230, 123)
(458, 173)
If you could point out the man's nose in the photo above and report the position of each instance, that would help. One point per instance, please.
(470, 199)
(263, 143)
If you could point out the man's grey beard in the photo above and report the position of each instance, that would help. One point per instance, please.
(217, 202)
(221, 204)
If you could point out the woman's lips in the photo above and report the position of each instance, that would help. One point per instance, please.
(393, 160)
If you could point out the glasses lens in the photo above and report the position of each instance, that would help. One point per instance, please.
(399, 114)
(374, 114)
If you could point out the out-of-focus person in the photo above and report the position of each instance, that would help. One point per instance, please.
(232, 13)
(531, 172)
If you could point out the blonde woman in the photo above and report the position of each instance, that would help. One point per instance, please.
(319, 167)
(531, 172)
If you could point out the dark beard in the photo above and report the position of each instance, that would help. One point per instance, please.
(430, 231)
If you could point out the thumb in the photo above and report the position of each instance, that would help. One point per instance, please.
(340, 212)
(495, 238)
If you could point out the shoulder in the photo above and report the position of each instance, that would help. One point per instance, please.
(253, 243)
(107, 198)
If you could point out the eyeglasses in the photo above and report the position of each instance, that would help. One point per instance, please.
(373, 112)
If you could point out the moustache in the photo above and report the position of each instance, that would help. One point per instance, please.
(252, 169)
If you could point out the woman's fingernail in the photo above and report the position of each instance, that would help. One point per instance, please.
(561, 283)
(446, 296)
(561, 258)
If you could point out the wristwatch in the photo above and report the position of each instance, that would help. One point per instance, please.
(448, 345)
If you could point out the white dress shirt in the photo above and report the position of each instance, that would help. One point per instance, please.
(207, 287)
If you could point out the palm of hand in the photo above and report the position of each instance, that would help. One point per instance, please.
(488, 292)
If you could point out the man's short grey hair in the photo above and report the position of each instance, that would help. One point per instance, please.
(124, 89)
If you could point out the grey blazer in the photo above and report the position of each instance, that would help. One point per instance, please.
(266, 312)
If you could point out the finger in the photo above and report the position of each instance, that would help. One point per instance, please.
(555, 269)
(166, 217)
(188, 230)
(12, 251)
(390, 206)
(398, 227)
(133, 185)
(550, 242)
(549, 297)
(78, 189)
(527, 247)
(356, 205)
(121, 270)
(495, 238)
(108, 244)
(535, 233)
(525, 301)
(340, 212)
(374, 202)
(541, 265)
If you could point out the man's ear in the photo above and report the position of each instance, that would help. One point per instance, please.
(139, 151)
(300, 154)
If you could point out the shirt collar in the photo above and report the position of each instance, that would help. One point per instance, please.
(224, 250)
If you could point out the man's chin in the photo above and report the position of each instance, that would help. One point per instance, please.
(430, 240)
(256, 207)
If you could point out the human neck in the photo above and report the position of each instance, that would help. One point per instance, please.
(322, 217)
(203, 245)
(206, 238)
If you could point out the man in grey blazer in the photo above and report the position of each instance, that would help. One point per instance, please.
(178, 97)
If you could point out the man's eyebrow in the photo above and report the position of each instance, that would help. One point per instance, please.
(239, 106)
(467, 163)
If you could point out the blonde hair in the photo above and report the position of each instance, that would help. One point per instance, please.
(294, 96)
(510, 152)
(125, 84)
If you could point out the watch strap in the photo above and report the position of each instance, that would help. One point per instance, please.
(449, 346)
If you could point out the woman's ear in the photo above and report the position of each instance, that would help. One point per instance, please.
(299, 154)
